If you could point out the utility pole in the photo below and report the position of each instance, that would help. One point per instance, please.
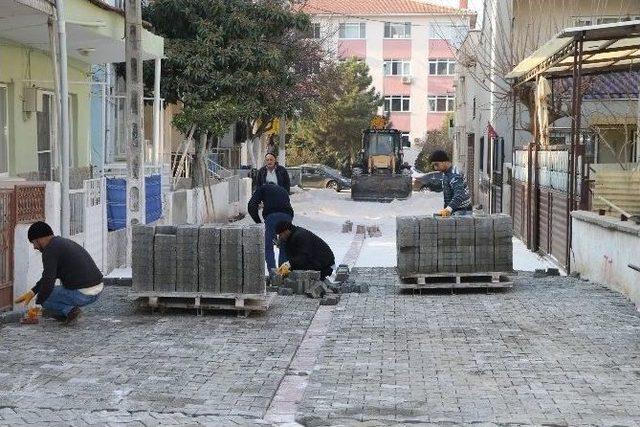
(133, 112)
(64, 121)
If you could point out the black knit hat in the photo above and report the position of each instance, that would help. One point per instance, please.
(39, 229)
(282, 226)
(439, 156)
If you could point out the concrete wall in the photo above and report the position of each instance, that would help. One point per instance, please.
(28, 261)
(602, 249)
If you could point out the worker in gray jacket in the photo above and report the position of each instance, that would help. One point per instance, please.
(457, 199)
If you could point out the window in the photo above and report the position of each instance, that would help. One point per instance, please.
(4, 131)
(314, 31)
(351, 30)
(441, 104)
(397, 103)
(473, 111)
(397, 30)
(455, 34)
(45, 138)
(442, 67)
(397, 67)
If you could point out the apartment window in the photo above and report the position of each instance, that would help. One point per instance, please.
(4, 131)
(397, 103)
(314, 31)
(397, 67)
(397, 30)
(454, 34)
(441, 104)
(481, 166)
(442, 67)
(353, 30)
(473, 110)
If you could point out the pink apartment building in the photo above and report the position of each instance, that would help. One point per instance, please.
(409, 47)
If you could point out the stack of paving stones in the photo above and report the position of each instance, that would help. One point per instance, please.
(187, 258)
(466, 244)
(212, 258)
(142, 258)
(209, 258)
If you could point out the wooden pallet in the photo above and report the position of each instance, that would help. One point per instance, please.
(419, 281)
(201, 301)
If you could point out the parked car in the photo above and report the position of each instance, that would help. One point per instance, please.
(431, 181)
(321, 176)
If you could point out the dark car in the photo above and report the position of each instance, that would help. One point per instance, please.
(321, 176)
(431, 181)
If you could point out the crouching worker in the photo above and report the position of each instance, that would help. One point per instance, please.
(457, 199)
(66, 260)
(305, 250)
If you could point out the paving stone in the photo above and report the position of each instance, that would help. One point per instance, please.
(187, 258)
(253, 259)
(209, 258)
(165, 263)
(142, 238)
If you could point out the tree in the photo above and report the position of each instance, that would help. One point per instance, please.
(345, 104)
(436, 140)
(233, 60)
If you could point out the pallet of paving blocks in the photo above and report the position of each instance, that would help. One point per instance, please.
(213, 266)
(454, 252)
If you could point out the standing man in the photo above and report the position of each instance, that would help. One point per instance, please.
(305, 250)
(276, 208)
(274, 173)
(457, 200)
(66, 260)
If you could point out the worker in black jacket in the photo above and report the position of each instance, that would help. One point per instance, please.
(276, 208)
(274, 173)
(305, 250)
(66, 260)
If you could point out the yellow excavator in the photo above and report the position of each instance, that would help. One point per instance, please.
(379, 173)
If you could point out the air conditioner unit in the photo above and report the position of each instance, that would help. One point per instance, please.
(407, 80)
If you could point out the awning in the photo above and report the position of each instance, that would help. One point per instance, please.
(95, 33)
(606, 48)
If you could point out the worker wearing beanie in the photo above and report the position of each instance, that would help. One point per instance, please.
(457, 200)
(66, 260)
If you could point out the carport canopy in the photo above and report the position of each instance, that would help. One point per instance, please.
(606, 48)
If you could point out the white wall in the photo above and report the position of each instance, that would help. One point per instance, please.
(602, 249)
(28, 261)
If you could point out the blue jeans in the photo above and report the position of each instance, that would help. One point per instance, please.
(62, 300)
(270, 223)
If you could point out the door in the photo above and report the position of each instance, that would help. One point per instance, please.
(496, 171)
(4, 132)
(471, 163)
(7, 224)
(312, 177)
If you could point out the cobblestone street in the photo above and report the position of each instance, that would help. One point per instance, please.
(552, 350)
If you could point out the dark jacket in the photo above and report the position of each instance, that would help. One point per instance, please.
(455, 191)
(306, 251)
(66, 260)
(273, 198)
(281, 174)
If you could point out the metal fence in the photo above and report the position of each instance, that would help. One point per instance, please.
(76, 212)
(234, 188)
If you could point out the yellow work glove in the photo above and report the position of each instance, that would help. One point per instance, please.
(25, 298)
(284, 269)
(34, 312)
(445, 212)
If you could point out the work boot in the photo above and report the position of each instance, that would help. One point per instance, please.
(53, 315)
(72, 316)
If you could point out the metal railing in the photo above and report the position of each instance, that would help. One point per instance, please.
(76, 212)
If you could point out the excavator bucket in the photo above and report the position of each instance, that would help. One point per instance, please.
(380, 188)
